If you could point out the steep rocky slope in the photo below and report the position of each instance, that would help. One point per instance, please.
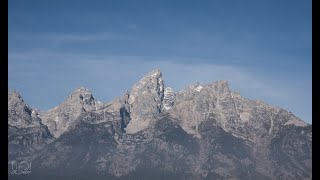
(201, 132)
(26, 133)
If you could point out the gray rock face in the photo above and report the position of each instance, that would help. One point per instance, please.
(26, 133)
(197, 102)
(19, 113)
(262, 118)
(200, 132)
(168, 98)
(291, 149)
(145, 101)
(63, 117)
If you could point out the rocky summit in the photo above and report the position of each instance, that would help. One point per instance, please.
(205, 131)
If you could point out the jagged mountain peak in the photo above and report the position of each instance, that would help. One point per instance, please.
(15, 99)
(25, 129)
(220, 85)
(64, 116)
(14, 94)
(154, 73)
(195, 87)
(21, 114)
(82, 88)
(193, 132)
(152, 83)
(151, 77)
(222, 82)
(83, 94)
(152, 80)
(145, 100)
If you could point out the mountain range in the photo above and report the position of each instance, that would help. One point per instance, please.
(204, 131)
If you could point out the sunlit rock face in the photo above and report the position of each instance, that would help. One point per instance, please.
(168, 99)
(61, 118)
(145, 101)
(19, 113)
(26, 133)
(204, 131)
(196, 103)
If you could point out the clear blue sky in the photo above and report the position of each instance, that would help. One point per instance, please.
(262, 47)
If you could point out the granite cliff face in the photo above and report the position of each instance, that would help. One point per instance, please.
(145, 101)
(26, 132)
(62, 117)
(201, 132)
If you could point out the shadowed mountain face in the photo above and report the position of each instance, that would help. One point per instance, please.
(152, 132)
(26, 133)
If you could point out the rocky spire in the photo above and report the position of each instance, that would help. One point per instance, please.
(197, 103)
(126, 97)
(60, 118)
(168, 99)
(19, 113)
(145, 101)
(81, 96)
